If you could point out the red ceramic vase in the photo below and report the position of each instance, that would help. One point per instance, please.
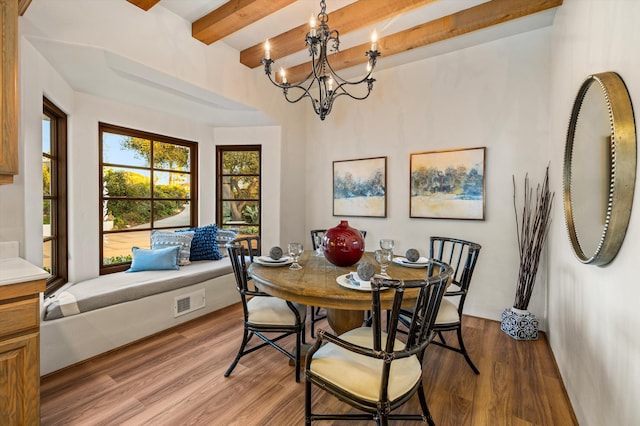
(343, 245)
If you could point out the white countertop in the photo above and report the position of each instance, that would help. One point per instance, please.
(15, 270)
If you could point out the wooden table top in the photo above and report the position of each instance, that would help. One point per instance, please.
(315, 284)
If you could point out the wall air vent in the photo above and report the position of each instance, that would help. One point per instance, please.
(189, 303)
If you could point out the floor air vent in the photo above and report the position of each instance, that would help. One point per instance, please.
(188, 303)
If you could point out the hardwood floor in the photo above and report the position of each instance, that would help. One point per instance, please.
(176, 378)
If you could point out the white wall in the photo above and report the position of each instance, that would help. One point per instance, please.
(20, 209)
(158, 39)
(593, 314)
(20, 214)
(83, 187)
(269, 138)
(85, 112)
(493, 95)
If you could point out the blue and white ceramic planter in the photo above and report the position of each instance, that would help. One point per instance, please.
(519, 324)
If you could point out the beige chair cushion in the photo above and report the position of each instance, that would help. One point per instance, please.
(448, 313)
(273, 310)
(361, 375)
(451, 288)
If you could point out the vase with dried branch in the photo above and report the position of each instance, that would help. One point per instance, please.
(532, 228)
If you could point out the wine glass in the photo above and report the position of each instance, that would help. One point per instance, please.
(387, 244)
(295, 250)
(383, 257)
(317, 238)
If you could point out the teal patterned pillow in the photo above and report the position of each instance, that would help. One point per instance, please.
(204, 245)
(225, 236)
(162, 239)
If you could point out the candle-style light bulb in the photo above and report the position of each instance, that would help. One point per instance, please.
(283, 76)
(312, 24)
(267, 48)
(374, 41)
(330, 83)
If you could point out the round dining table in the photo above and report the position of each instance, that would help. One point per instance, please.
(316, 285)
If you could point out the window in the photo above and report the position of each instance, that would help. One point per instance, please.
(238, 188)
(148, 182)
(54, 195)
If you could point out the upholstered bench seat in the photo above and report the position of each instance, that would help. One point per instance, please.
(97, 315)
(121, 287)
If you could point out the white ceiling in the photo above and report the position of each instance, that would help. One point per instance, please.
(105, 74)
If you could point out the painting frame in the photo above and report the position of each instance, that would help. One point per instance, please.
(360, 187)
(448, 184)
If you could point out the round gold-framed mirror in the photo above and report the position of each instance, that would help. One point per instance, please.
(599, 168)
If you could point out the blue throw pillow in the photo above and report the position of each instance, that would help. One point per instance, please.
(154, 259)
(204, 245)
(161, 239)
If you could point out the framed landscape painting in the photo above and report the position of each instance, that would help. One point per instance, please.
(360, 187)
(448, 184)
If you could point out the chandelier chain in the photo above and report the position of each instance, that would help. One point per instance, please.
(322, 16)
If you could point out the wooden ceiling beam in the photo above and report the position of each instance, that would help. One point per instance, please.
(349, 18)
(233, 16)
(475, 18)
(22, 6)
(144, 4)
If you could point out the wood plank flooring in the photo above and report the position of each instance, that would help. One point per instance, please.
(176, 378)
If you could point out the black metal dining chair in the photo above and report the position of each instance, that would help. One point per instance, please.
(372, 370)
(462, 256)
(265, 314)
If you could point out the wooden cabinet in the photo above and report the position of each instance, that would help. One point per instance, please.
(18, 361)
(20, 352)
(9, 84)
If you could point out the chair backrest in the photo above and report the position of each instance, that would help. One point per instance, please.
(314, 233)
(320, 233)
(237, 255)
(461, 255)
(425, 310)
(251, 244)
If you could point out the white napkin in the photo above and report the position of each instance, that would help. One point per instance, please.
(363, 283)
(272, 260)
(422, 259)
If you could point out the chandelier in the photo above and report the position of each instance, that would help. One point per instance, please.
(322, 86)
